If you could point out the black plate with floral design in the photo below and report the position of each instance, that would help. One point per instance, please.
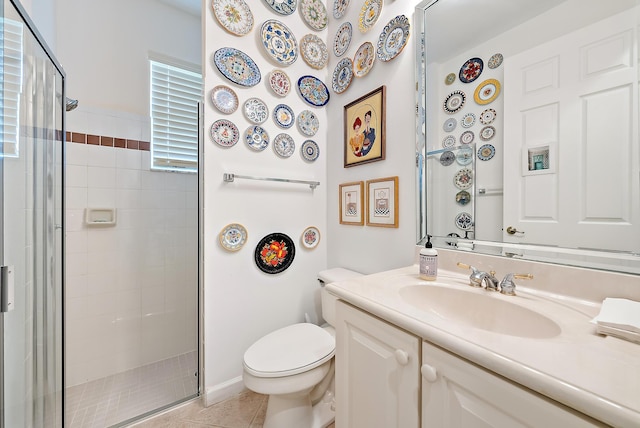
(274, 253)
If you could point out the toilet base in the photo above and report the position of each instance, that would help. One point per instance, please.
(295, 411)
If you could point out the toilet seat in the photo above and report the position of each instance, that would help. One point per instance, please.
(290, 350)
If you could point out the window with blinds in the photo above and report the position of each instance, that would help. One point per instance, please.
(11, 51)
(175, 94)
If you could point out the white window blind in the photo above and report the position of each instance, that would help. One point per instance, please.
(175, 94)
(11, 82)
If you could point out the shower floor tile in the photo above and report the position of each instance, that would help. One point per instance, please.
(114, 399)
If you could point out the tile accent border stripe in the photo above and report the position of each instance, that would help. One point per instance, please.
(101, 140)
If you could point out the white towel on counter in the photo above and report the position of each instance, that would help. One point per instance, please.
(620, 318)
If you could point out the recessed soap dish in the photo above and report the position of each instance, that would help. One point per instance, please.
(100, 216)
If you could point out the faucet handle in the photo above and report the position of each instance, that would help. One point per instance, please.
(508, 287)
(476, 277)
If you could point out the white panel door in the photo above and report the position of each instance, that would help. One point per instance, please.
(571, 139)
(377, 372)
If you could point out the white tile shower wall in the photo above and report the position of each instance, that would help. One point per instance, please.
(131, 290)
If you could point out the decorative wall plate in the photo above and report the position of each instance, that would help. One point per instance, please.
(310, 237)
(470, 70)
(342, 75)
(495, 61)
(279, 42)
(283, 116)
(447, 158)
(467, 137)
(450, 78)
(465, 156)
(234, 15)
(449, 141)
(463, 197)
(233, 237)
(487, 133)
(463, 179)
(464, 221)
(224, 99)
(283, 7)
(255, 110)
(314, 14)
(339, 8)
(308, 123)
(314, 51)
(224, 132)
(487, 91)
(283, 145)
(488, 116)
(369, 14)
(363, 59)
(313, 91)
(393, 38)
(274, 253)
(279, 82)
(342, 40)
(454, 102)
(450, 124)
(468, 120)
(256, 137)
(310, 151)
(237, 66)
(486, 152)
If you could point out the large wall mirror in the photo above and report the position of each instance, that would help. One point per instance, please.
(527, 130)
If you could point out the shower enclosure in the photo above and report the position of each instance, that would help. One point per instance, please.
(31, 153)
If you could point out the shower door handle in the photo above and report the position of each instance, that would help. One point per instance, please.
(6, 288)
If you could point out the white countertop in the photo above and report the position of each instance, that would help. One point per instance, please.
(594, 374)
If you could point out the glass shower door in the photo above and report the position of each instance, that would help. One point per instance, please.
(31, 131)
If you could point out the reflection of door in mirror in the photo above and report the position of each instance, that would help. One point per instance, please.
(571, 156)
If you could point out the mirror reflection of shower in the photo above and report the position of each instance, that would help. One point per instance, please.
(71, 104)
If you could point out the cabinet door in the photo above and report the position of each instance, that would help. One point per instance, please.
(458, 394)
(377, 372)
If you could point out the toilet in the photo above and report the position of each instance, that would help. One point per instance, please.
(294, 366)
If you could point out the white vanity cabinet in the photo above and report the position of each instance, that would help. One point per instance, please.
(459, 394)
(377, 372)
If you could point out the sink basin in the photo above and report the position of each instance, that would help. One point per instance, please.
(480, 309)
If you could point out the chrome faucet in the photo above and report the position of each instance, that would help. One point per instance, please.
(508, 287)
(490, 281)
(476, 277)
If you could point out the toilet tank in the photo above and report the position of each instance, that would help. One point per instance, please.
(329, 301)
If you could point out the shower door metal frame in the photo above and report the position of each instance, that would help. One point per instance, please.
(30, 26)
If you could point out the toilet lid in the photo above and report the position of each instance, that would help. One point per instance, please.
(290, 350)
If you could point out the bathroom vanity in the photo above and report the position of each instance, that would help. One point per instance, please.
(414, 353)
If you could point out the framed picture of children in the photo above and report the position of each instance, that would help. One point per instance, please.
(364, 129)
(352, 203)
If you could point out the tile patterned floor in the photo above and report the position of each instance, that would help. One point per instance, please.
(246, 410)
(112, 400)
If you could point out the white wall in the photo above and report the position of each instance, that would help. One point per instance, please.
(242, 303)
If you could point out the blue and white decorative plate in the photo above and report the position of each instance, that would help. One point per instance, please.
(255, 110)
(233, 237)
(310, 151)
(284, 145)
(314, 51)
(450, 124)
(279, 42)
(234, 15)
(342, 75)
(308, 123)
(393, 38)
(449, 141)
(486, 152)
(495, 60)
(237, 66)
(313, 91)
(225, 133)
(468, 120)
(369, 14)
(256, 137)
(471, 70)
(224, 99)
(465, 156)
(283, 7)
(342, 40)
(283, 116)
(463, 178)
(464, 221)
(339, 8)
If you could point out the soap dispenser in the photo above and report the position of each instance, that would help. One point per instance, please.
(428, 261)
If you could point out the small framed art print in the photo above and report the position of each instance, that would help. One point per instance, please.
(382, 204)
(352, 203)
